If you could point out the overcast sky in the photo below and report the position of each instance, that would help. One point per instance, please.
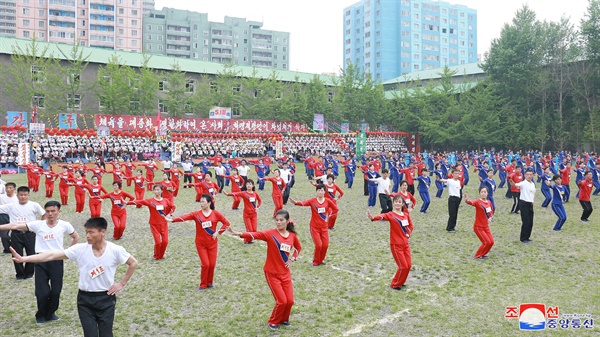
(316, 26)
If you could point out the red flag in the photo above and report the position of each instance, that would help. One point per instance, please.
(33, 114)
(158, 122)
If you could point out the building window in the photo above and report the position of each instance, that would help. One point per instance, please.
(41, 24)
(133, 32)
(236, 111)
(37, 74)
(149, 47)
(190, 85)
(134, 22)
(134, 12)
(25, 11)
(329, 96)
(39, 100)
(213, 86)
(162, 107)
(74, 101)
(25, 33)
(162, 85)
(26, 23)
(149, 27)
(73, 78)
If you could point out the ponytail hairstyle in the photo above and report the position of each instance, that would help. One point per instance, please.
(208, 199)
(291, 226)
(252, 182)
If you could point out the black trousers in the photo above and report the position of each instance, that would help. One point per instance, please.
(20, 241)
(5, 235)
(220, 182)
(187, 179)
(243, 188)
(96, 313)
(516, 202)
(366, 187)
(453, 205)
(587, 209)
(286, 194)
(48, 285)
(526, 209)
(411, 189)
(386, 203)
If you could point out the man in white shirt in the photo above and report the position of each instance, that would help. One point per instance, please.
(97, 261)
(21, 213)
(383, 190)
(48, 275)
(454, 197)
(9, 198)
(167, 164)
(187, 166)
(527, 188)
(220, 174)
(286, 174)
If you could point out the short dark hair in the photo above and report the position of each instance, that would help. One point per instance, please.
(98, 223)
(385, 171)
(331, 176)
(11, 184)
(120, 184)
(23, 189)
(208, 199)
(52, 203)
(319, 187)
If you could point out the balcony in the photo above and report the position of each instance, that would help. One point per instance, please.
(178, 52)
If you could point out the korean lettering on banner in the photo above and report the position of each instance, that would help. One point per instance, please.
(67, 120)
(23, 154)
(16, 118)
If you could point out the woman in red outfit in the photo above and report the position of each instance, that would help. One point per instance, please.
(321, 209)
(139, 187)
(51, 177)
(94, 189)
(63, 186)
(237, 182)
(159, 208)
(118, 212)
(484, 212)
(334, 193)
(283, 247)
(278, 188)
(207, 186)
(252, 202)
(409, 200)
(401, 227)
(79, 182)
(168, 187)
(207, 243)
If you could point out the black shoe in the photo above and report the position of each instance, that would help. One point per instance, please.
(210, 286)
(323, 263)
(525, 241)
(6, 252)
(451, 230)
(40, 320)
(398, 288)
(53, 318)
(273, 326)
(286, 323)
(28, 277)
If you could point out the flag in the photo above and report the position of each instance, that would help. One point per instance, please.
(33, 114)
(158, 122)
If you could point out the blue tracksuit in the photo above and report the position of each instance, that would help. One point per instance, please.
(546, 190)
(423, 188)
(558, 207)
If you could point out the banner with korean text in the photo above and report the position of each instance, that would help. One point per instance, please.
(319, 122)
(142, 123)
(219, 113)
(16, 118)
(67, 120)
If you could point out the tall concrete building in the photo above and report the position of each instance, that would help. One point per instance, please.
(389, 38)
(182, 33)
(113, 24)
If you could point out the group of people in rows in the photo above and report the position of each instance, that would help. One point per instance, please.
(388, 176)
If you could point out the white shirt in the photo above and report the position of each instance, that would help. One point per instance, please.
(219, 170)
(96, 273)
(187, 167)
(167, 164)
(243, 170)
(382, 185)
(5, 199)
(527, 190)
(286, 175)
(453, 187)
(22, 213)
(46, 238)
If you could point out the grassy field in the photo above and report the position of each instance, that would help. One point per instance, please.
(448, 292)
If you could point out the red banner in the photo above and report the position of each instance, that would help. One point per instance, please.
(142, 123)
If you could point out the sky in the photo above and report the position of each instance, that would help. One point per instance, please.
(316, 26)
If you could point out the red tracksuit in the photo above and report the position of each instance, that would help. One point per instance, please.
(207, 247)
(168, 189)
(409, 199)
(401, 227)
(118, 212)
(150, 169)
(36, 173)
(80, 190)
(277, 274)
(158, 225)
(252, 201)
(118, 175)
(97, 172)
(27, 168)
(175, 178)
(94, 203)
(50, 179)
(63, 187)
(483, 212)
(332, 192)
(206, 187)
(237, 182)
(138, 188)
(277, 194)
(129, 171)
(318, 225)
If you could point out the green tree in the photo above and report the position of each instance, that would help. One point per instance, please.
(174, 88)
(318, 98)
(113, 87)
(145, 88)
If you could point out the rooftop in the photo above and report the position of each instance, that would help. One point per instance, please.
(9, 45)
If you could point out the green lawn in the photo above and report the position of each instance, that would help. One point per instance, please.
(448, 292)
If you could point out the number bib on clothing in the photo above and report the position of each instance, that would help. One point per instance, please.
(206, 224)
(160, 207)
(321, 210)
(284, 247)
(118, 202)
(488, 209)
(97, 271)
(404, 223)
